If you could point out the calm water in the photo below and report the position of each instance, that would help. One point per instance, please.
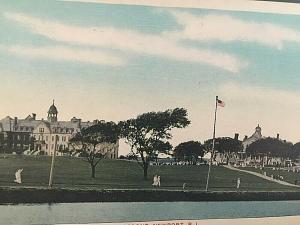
(118, 212)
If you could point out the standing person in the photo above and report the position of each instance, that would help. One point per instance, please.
(18, 176)
(238, 183)
(158, 181)
(154, 181)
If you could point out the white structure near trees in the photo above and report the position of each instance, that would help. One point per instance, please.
(253, 138)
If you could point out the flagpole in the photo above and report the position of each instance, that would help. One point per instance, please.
(213, 145)
(52, 163)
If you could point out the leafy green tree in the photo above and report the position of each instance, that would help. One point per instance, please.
(296, 150)
(272, 147)
(148, 134)
(189, 150)
(224, 145)
(94, 142)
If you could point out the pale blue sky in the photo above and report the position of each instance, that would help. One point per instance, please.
(114, 62)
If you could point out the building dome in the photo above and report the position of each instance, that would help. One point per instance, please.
(258, 128)
(52, 109)
(52, 113)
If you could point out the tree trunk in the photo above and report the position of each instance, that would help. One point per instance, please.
(93, 167)
(145, 167)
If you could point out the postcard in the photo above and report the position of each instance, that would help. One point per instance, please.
(149, 112)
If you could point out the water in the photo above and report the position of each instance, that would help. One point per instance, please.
(121, 212)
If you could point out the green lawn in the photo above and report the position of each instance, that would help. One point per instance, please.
(119, 174)
(289, 177)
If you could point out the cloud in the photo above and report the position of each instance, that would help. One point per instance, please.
(224, 28)
(127, 40)
(256, 95)
(61, 53)
(276, 110)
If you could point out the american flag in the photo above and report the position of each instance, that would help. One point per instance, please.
(220, 103)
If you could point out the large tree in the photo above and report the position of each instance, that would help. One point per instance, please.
(189, 150)
(224, 145)
(94, 143)
(296, 150)
(148, 134)
(272, 147)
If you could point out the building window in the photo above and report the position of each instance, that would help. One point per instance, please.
(52, 138)
(46, 146)
(41, 130)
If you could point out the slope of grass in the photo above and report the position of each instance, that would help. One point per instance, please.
(120, 174)
(289, 177)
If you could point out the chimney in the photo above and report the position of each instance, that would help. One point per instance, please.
(33, 116)
(246, 137)
(277, 137)
(236, 136)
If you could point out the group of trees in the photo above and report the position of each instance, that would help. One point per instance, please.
(274, 147)
(147, 135)
(192, 150)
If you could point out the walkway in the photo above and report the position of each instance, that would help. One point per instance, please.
(262, 176)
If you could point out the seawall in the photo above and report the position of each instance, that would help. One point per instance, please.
(9, 195)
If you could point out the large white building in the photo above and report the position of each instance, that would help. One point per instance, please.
(51, 133)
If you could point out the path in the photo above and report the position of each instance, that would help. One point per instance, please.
(262, 176)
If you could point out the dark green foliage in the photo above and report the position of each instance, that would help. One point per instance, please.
(272, 147)
(296, 150)
(189, 151)
(94, 142)
(148, 134)
(224, 145)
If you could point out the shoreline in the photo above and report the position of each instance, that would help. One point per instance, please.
(291, 220)
(27, 195)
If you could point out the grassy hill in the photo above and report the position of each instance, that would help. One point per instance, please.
(121, 174)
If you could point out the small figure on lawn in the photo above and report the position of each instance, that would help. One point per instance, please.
(158, 181)
(184, 186)
(18, 176)
(155, 181)
(238, 183)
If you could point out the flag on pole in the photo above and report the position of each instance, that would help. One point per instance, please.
(220, 103)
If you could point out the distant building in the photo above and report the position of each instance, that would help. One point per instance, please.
(43, 136)
(253, 138)
(11, 139)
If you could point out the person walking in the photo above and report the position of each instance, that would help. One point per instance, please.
(238, 183)
(18, 176)
(154, 181)
(158, 181)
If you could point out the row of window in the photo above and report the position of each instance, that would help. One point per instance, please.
(46, 138)
(21, 137)
(21, 128)
(58, 147)
(57, 130)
